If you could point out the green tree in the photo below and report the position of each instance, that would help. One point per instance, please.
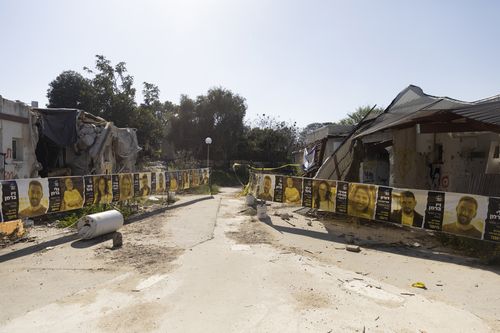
(151, 119)
(360, 113)
(114, 97)
(70, 90)
(271, 141)
(220, 114)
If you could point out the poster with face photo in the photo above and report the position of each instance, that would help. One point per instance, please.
(33, 197)
(266, 188)
(144, 184)
(492, 228)
(174, 181)
(66, 193)
(465, 215)
(103, 189)
(292, 192)
(160, 183)
(126, 186)
(408, 207)
(362, 200)
(324, 194)
(10, 200)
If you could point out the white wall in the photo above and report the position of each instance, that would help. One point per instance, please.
(9, 129)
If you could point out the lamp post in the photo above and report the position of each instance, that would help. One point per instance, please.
(208, 141)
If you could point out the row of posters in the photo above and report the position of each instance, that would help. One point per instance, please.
(34, 197)
(466, 215)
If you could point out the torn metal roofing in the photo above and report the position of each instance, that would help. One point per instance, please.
(412, 103)
(488, 112)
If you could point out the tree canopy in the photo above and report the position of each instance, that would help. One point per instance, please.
(107, 90)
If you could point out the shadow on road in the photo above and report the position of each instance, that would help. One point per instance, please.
(80, 244)
(422, 252)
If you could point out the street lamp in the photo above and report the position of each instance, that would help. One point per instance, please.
(208, 141)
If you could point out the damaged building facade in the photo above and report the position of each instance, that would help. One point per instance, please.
(424, 142)
(56, 142)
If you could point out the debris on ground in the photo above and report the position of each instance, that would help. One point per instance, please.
(250, 211)
(117, 240)
(420, 285)
(353, 248)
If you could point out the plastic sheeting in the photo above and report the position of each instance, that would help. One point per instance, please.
(94, 225)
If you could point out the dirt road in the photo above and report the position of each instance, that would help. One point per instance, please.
(206, 268)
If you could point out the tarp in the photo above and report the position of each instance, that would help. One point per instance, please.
(59, 125)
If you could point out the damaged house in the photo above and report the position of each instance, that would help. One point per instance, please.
(74, 142)
(56, 142)
(320, 143)
(424, 142)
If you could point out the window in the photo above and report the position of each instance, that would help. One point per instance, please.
(17, 149)
(496, 153)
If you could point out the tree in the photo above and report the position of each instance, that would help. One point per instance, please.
(70, 90)
(114, 91)
(270, 141)
(151, 119)
(220, 115)
(358, 115)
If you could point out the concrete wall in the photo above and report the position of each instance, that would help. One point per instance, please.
(23, 166)
(407, 167)
(415, 163)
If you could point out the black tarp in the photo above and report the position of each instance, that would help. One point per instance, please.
(59, 125)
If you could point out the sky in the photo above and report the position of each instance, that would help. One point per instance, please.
(304, 61)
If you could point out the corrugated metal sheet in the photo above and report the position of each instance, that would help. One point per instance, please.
(485, 112)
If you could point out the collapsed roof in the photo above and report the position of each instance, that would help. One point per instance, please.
(413, 107)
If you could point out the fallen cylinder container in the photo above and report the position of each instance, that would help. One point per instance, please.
(94, 225)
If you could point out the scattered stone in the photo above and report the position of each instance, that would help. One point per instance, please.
(117, 240)
(309, 223)
(353, 248)
(408, 294)
(416, 244)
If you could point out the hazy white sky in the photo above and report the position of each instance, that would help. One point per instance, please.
(305, 61)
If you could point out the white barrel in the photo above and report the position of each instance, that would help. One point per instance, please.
(250, 200)
(261, 211)
(94, 225)
(171, 195)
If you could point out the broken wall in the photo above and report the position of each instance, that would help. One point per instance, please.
(439, 161)
(15, 129)
(407, 167)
